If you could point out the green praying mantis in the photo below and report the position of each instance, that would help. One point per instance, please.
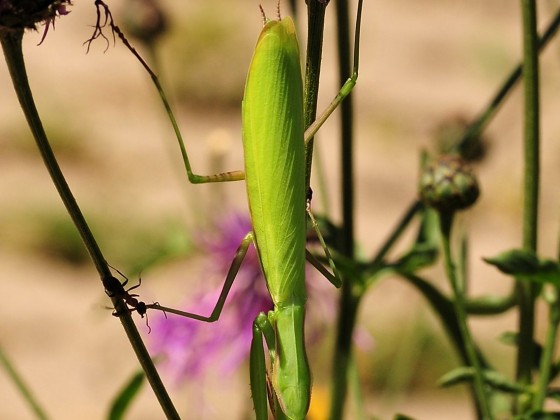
(274, 142)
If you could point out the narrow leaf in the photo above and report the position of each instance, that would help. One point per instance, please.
(123, 399)
(516, 262)
(525, 265)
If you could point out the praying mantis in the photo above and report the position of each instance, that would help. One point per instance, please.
(274, 151)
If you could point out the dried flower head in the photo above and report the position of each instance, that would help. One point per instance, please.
(17, 15)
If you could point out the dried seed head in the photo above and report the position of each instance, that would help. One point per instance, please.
(145, 20)
(26, 14)
(452, 137)
(448, 184)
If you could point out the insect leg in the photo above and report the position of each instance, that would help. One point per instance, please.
(346, 88)
(232, 273)
(333, 277)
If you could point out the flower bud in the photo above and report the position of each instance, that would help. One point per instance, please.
(448, 184)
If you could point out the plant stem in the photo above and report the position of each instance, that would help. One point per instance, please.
(12, 46)
(477, 126)
(395, 235)
(316, 25)
(527, 290)
(548, 353)
(446, 222)
(350, 296)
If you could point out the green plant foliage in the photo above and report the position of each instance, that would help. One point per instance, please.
(122, 401)
(525, 265)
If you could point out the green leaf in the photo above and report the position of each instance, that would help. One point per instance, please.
(123, 399)
(525, 265)
(492, 378)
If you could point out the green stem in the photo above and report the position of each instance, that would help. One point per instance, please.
(491, 305)
(548, 353)
(446, 221)
(12, 46)
(316, 25)
(350, 296)
(527, 290)
(21, 386)
(349, 303)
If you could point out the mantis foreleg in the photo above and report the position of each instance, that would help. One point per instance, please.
(258, 370)
(346, 88)
(261, 387)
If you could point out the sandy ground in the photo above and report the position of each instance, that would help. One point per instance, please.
(421, 63)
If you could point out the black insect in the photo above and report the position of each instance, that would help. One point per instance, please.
(115, 289)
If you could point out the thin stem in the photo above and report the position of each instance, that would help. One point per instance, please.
(527, 290)
(350, 296)
(532, 129)
(316, 24)
(21, 386)
(12, 47)
(446, 221)
(479, 124)
(347, 129)
(413, 209)
(548, 353)
(349, 304)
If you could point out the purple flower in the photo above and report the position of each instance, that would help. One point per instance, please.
(191, 347)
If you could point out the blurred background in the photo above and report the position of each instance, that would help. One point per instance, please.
(423, 64)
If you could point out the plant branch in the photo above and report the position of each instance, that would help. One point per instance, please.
(527, 290)
(12, 46)
(446, 221)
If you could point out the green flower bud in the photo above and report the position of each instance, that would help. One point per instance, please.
(448, 184)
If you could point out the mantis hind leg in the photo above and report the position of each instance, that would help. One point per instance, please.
(228, 283)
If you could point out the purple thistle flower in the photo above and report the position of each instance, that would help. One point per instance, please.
(190, 346)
